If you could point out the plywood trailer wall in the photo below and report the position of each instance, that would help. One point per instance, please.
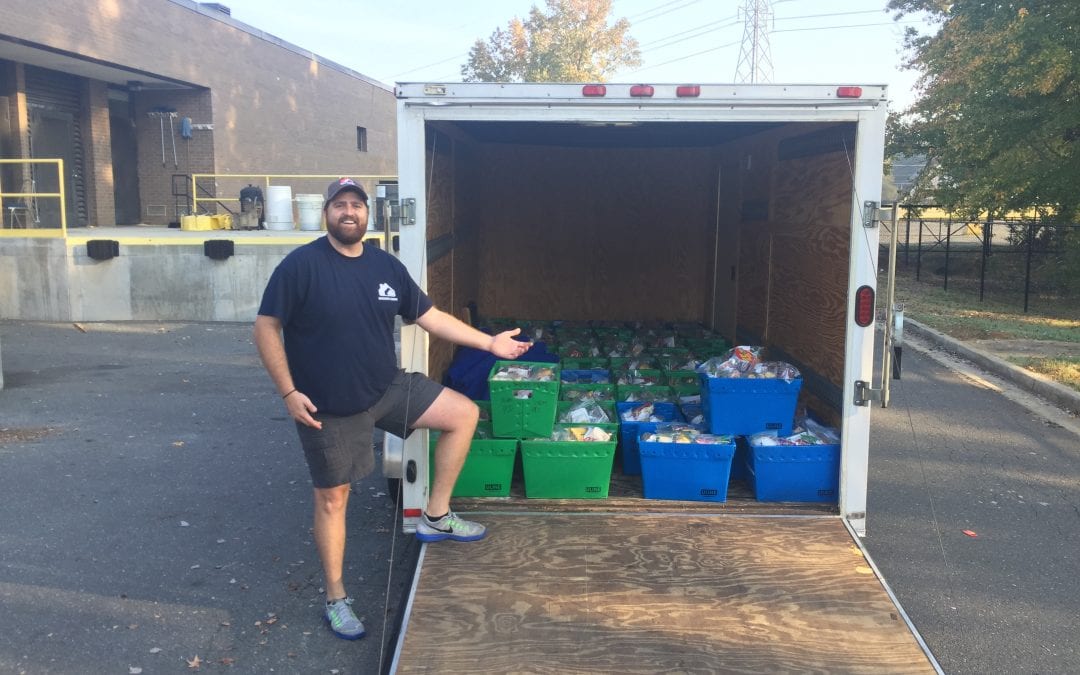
(595, 233)
(794, 228)
(452, 244)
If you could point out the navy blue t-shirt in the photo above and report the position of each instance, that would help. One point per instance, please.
(338, 315)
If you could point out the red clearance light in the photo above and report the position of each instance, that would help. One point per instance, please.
(848, 92)
(688, 90)
(411, 513)
(641, 90)
(864, 306)
(594, 90)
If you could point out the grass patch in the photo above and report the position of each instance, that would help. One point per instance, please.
(963, 316)
(1063, 370)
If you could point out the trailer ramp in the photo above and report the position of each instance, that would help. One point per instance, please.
(650, 593)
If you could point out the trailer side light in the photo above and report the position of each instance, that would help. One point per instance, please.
(688, 90)
(411, 513)
(848, 92)
(641, 90)
(864, 306)
(594, 90)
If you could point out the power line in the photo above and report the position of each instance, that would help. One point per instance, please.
(437, 63)
(685, 3)
(683, 58)
(816, 16)
(854, 25)
(697, 32)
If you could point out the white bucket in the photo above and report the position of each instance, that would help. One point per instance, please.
(310, 209)
(279, 213)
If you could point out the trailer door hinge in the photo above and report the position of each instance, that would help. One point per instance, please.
(864, 394)
(872, 214)
(403, 212)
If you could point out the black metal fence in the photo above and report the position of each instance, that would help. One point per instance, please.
(1013, 260)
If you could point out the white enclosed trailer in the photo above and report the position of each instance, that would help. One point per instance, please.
(750, 209)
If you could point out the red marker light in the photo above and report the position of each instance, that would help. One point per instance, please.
(848, 92)
(641, 90)
(688, 90)
(411, 513)
(864, 306)
(594, 90)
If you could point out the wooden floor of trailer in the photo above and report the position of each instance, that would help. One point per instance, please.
(550, 592)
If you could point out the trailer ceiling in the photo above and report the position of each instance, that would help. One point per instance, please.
(617, 135)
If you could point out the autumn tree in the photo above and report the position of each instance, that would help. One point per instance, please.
(998, 108)
(570, 41)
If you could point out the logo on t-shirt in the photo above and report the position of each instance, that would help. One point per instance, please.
(386, 292)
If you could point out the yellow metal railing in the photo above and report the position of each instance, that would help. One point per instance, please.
(20, 217)
(369, 183)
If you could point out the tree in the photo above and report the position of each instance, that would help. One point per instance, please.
(998, 113)
(569, 42)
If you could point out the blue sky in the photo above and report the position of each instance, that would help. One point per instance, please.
(693, 41)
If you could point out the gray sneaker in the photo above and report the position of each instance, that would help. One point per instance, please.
(342, 620)
(451, 526)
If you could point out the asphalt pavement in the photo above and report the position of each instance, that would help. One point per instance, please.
(155, 508)
(974, 516)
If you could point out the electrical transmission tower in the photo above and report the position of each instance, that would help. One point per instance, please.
(755, 62)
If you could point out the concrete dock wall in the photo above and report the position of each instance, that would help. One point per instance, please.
(55, 280)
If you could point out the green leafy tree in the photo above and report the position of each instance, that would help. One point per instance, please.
(569, 42)
(998, 113)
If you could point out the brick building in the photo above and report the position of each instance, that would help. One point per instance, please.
(136, 95)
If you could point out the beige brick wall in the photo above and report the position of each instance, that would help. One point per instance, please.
(98, 165)
(273, 110)
(157, 166)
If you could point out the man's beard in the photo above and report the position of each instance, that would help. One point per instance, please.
(347, 235)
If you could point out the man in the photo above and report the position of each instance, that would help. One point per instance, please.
(335, 300)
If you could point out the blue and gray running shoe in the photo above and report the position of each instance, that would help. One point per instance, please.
(451, 526)
(342, 620)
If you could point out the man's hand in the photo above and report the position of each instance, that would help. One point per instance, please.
(300, 408)
(505, 346)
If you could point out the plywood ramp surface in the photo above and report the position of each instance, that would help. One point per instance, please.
(646, 593)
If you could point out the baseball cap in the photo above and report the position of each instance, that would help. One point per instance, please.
(341, 184)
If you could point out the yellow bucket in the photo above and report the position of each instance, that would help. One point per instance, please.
(197, 223)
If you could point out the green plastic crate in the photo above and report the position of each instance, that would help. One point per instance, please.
(678, 377)
(643, 392)
(610, 427)
(567, 469)
(643, 362)
(489, 466)
(523, 409)
(585, 363)
(573, 392)
(563, 406)
(681, 390)
(485, 410)
(650, 377)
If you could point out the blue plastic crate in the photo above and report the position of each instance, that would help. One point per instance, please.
(794, 473)
(746, 406)
(586, 376)
(687, 471)
(629, 432)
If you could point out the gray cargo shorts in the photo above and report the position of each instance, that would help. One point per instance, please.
(341, 452)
